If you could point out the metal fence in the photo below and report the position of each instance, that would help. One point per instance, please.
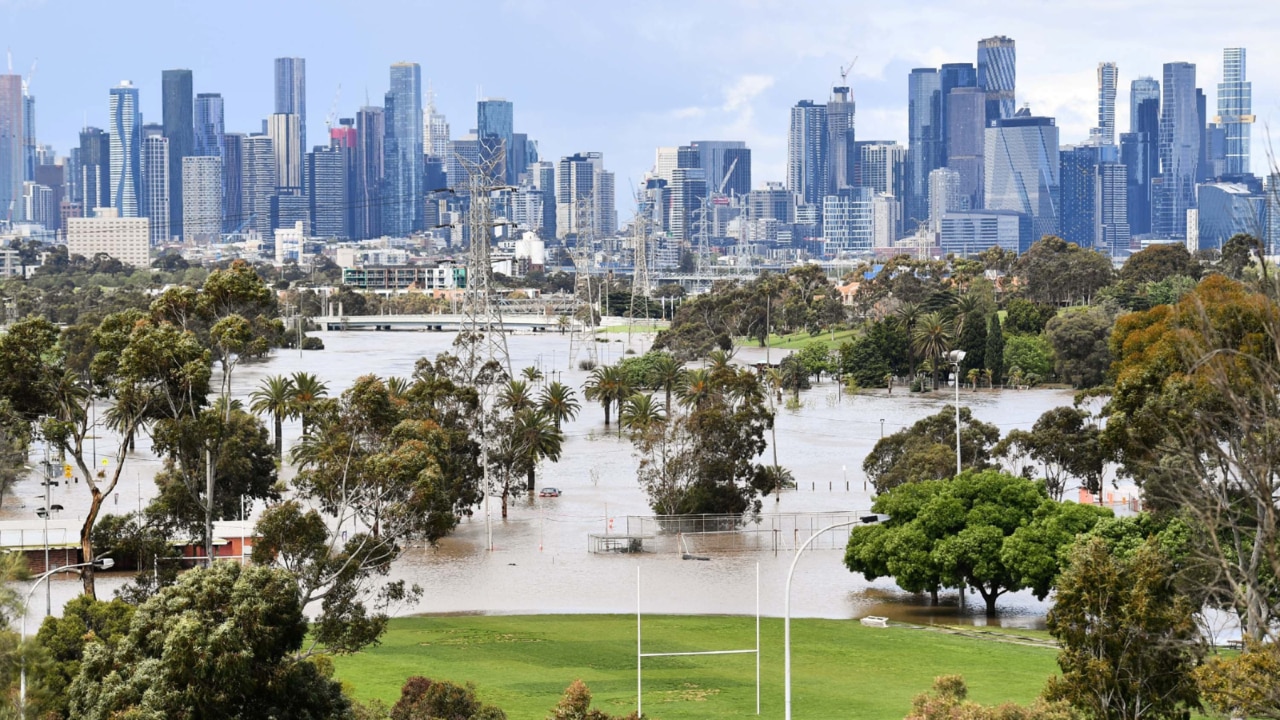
(708, 534)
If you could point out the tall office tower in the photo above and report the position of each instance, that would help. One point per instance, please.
(1180, 134)
(95, 169)
(1235, 111)
(54, 177)
(1143, 88)
(848, 222)
(1112, 232)
(924, 150)
(233, 215)
(495, 122)
(518, 157)
(807, 152)
(953, 76)
(370, 129)
(327, 183)
(543, 176)
(1105, 132)
(28, 135)
(402, 204)
(688, 197)
(1140, 153)
(156, 203)
(965, 125)
(997, 75)
(11, 155)
(291, 92)
(840, 139)
(285, 130)
(179, 129)
(665, 160)
(886, 220)
(1204, 166)
(582, 176)
(882, 166)
(209, 125)
(463, 154)
(125, 130)
(257, 183)
(1078, 178)
(1022, 170)
(435, 130)
(944, 196)
(721, 159)
(74, 193)
(346, 139)
(202, 195)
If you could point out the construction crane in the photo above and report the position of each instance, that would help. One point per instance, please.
(727, 174)
(333, 109)
(846, 69)
(26, 84)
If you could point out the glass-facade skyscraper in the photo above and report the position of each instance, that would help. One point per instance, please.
(11, 151)
(924, 149)
(155, 201)
(1022, 170)
(953, 76)
(124, 127)
(1142, 88)
(807, 152)
(966, 130)
(1105, 132)
(179, 129)
(997, 75)
(95, 170)
(371, 131)
(402, 148)
(209, 125)
(291, 90)
(1181, 132)
(841, 115)
(1235, 111)
(495, 129)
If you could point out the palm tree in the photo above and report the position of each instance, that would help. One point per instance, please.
(973, 375)
(274, 397)
(308, 391)
(532, 374)
(515, 396)
(696, 389)
(607, 385)
(931, 339)
(986, 373)
(665, 374)
(718, 360)
(536, 438)
(559, 402)
(639, 413)
(397, 387)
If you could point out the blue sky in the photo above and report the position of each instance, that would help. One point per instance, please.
(623, 78)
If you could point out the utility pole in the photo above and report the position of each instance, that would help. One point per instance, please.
(582, 331)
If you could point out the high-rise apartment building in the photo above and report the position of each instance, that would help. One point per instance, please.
(371, 130)
(233, 215)
(585, 194)
(1235, 111)
(807, 152)
(202, 195)
(436, 130)
(125, 239)
(848, 222)
(841, 113)
(944, 196)
(285, 130)
(1142, 88)
(95, 170)
(1140, 153)
(1112, 232)
(327, 192)
(726, 165)
(997, 75)
(209, 125)
(965, 130)
(11, 144)
(1105, 132)
(125, 131)
(495, 128)
(1181, 132)
(291, 92)
(29, 145)
(924, 150)
(155, 182)
(882, 166)
(953, 76)
(179, 129)
(402, 211)
(1022, 170)
(542, 175)
(257, 183)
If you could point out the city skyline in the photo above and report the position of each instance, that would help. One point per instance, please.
(768, 59)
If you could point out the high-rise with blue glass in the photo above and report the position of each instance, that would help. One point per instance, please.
(1105, 132)
(209, 125)
(1180, 134)
(124, 127)
(11, 156)
(807, 152)
(997, 75)
(495, 129)
(1022, 170)
(177, 105)
(291, 90)
(925, 150)
(402, 148)
(1235, 111)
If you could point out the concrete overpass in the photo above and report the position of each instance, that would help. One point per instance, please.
(436, 322)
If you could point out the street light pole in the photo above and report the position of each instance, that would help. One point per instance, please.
(956, 356)
(101, 564)
(787, 612)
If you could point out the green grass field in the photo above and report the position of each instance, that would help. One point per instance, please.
(795, 341)
(839, 668)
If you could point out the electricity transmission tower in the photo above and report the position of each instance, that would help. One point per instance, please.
(640, 287)
(583, 329)
(482, 339)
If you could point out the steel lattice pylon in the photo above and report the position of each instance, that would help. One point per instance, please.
(583, 325)
(483, 338)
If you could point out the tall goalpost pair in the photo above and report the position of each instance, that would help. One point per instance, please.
(641, 655)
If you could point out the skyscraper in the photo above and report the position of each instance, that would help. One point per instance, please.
(291, 92)
(28, 135)
(944, 196)
(436, 131)
(1180, 135)
(327, 183)
(11, 153)
(371, 129)
(233, 215)
(966, 130)
(1112, 233)
(495, 126)
(402, 204)
(721, 158)
(346, 139)
(209, 127)
(1142, 88)
(95, 170)
(1079, 201)
(953, 76)
(1140, 154)
(1105, 132)
(997, 75)
(924, 149)
(840, 139)
(807, 152)
(580, 178)
(155, 182)
(257, 183)
(202, 193)
(1022, 170)
(285, 130)
(125, 130)
(1235, 111)
(179, 129)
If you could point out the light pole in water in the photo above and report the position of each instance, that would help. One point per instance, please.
(955, 357)
(101, 564)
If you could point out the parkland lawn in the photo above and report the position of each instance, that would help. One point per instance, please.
(840, 669)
